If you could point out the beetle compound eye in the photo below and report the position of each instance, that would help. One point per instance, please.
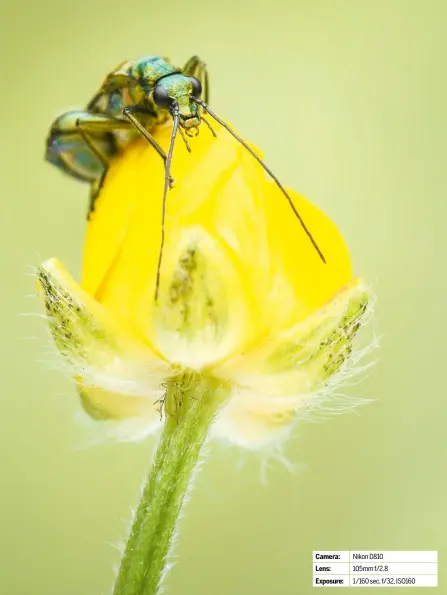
(161, 97)
(196, 86)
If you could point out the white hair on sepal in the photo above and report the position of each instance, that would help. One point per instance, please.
(118, 546)
(325, 402)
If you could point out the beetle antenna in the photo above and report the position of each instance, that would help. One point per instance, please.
(176, 116)
(268, 170)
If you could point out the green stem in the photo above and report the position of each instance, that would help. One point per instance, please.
(190, 405)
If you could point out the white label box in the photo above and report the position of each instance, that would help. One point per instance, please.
(374, 568)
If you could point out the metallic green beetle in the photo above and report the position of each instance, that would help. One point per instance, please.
(135, 98)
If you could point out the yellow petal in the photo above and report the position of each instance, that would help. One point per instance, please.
(223, 191)
(311, 282)
(124, 233)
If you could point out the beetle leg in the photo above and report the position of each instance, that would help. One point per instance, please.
(197, 68)
(133, 109)
(129, 112)
(88, 124)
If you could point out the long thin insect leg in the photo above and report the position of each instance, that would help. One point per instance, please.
(197, 68)
(128, 112)
(269, 171)
(89, 142)
(97, 184)
(99, 125)
(176, 115)
(185, 140)
(213, 132)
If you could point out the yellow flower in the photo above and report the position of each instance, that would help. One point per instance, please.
(244, 297)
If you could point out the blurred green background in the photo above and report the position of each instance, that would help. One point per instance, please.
(347, 98)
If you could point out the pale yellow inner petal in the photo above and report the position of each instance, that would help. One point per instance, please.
(203, 312)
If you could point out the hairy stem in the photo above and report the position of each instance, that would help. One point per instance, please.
(190, 405)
